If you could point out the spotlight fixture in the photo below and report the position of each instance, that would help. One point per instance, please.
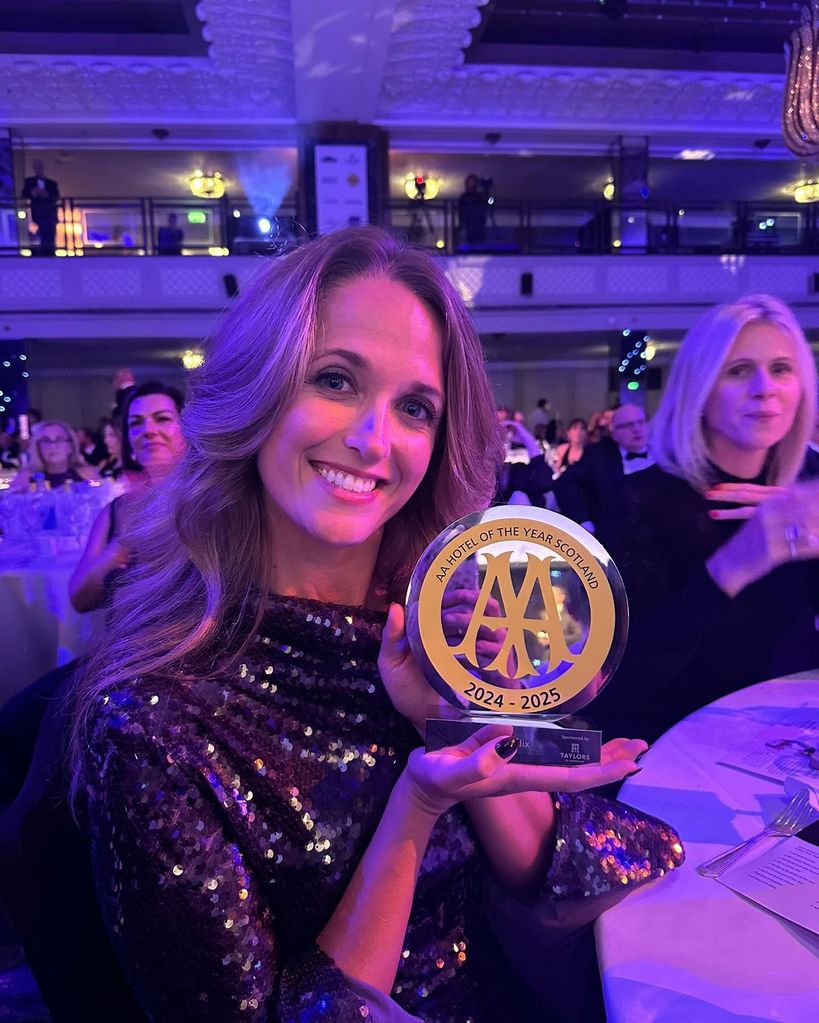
(613, 9)
(419, 186)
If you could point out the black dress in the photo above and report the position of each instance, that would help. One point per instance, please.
(689, 643)
(227, 817)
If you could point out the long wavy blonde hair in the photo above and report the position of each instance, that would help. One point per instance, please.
(202, 548)
(678, 441)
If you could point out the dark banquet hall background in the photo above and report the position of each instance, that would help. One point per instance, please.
(592, 177)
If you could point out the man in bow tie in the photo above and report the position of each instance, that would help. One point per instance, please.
(590, 490)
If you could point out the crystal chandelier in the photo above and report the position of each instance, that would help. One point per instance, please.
(800, 117)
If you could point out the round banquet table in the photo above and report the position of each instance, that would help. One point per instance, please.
(39, 630)
(687, 949)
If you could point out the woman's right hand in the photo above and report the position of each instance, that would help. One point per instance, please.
(476, 768)
(783, 528)
(520, 435)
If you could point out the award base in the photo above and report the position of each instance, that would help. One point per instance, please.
(543, 741)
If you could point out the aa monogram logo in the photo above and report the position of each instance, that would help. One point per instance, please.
(513, 650)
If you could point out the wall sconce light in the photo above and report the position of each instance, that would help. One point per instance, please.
(192, 359)
(207, 186)
(806, 191)
(419, 186)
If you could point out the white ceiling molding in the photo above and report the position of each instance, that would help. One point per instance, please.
(578, 100)
(273, 64)
(246, 78)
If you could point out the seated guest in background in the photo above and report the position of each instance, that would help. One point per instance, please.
(718, 546)
(10, 453)
(87, 443)
(522, 482)
(572, 450)
(341, 419)
(152, 446)
(590, 492)
(111, 465)
(54, 457)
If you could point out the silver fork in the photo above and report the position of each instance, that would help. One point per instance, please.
(795, 816)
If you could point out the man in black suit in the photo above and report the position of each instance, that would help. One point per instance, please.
(43, 193)
(590, 490)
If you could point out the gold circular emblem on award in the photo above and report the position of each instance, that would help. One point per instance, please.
(517, 616)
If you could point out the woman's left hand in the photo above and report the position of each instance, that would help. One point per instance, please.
(747, 495)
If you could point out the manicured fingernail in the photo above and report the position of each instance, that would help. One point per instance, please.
(635, 771)
(507, 747)
(713, 513)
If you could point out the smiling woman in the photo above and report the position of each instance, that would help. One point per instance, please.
(267, 839)
(718, 543)
(151, 444)
(357, 440)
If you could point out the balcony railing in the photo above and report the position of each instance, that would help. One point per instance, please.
(133, 227)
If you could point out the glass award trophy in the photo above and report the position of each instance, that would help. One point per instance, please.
(518, 617)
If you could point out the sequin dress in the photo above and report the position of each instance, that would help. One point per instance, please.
(226, 819)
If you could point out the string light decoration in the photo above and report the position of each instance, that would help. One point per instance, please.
(800, 116)
(13, 381)
(634, 347)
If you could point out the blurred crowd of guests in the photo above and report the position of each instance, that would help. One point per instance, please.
(45, 452)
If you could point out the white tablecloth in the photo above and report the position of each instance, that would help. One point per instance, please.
(39, 630)
(687, 949)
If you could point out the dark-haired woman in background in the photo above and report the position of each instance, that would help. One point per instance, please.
(151, 446)
(577, 437)
(111, 466)
(718, 545)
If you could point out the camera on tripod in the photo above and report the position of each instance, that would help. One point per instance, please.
(420, 189)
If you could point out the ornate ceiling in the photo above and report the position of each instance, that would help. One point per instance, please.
(269, 65)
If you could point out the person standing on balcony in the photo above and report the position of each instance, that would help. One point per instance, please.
(169, 238)
(43, 193)
(472, 211)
